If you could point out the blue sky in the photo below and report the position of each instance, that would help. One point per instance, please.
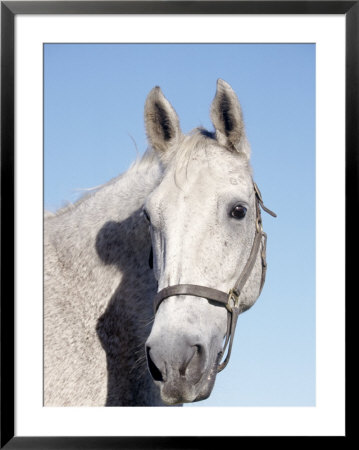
(94, 96)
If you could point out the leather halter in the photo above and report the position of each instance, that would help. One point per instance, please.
(230, 300)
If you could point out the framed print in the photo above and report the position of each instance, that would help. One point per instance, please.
(123, 269)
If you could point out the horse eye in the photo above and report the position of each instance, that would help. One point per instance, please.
(147, 217)
(239, 212)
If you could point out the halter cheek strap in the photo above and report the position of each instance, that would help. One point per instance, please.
(230, 300)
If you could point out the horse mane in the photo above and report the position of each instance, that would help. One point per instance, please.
(141, 165)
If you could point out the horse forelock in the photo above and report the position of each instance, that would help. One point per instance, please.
(203, 146)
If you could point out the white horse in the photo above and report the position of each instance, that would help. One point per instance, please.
(183, 222)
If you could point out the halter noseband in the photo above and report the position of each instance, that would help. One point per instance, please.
(230, 300)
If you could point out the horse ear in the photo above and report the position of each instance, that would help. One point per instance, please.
(226, 115)
(161, 120)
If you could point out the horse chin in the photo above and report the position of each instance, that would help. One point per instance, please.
(180, 390)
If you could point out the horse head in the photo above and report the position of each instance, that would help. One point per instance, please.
(207, 242)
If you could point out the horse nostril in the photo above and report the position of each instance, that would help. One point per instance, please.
(154, 371)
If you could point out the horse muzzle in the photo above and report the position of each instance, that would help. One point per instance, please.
(183, 368)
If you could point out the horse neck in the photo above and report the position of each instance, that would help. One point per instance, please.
(100, 248)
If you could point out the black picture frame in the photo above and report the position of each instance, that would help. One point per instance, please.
(9, 9)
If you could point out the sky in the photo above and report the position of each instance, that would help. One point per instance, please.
(94, 98)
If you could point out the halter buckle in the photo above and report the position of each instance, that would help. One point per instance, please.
(234, 296)
(258, 192)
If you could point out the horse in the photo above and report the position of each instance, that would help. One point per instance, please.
(144, 277)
